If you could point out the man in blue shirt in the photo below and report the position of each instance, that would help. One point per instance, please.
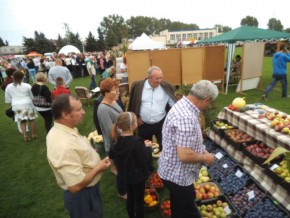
(280, 60)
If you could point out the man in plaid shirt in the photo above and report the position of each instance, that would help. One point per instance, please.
(183, 151)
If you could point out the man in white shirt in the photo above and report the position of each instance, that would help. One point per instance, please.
(150, 100)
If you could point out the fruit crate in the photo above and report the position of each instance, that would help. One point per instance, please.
(152, 192)
(237, 143)
(155, 181)
(222, 167)
(277, 179)
(247, 197)
(220, 130)
(234, 181)
(230, 211)
(204, 191)
(219, 154)
(209, 144)
(165, 208)
(257, 159)
(267, 208)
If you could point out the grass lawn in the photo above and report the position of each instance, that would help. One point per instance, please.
(27, 185)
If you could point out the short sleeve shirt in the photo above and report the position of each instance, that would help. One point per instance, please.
(70, 156)
(181, 128)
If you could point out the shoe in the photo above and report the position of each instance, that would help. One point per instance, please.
(26, 138)
(124, 197)
(34, 136)
(264, 97)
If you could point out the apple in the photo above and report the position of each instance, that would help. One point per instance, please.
(204, 196)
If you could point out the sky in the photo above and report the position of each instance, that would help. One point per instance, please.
(22, 18)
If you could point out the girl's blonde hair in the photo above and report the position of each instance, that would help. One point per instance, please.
(123, 123)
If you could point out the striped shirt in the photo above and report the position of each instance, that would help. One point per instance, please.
(181, 128)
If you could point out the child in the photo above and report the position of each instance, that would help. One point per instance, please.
(131, 157)
(60, 88)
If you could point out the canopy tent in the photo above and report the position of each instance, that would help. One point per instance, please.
(144, 42)
(69, 49)
(33, 54)
(243, 34)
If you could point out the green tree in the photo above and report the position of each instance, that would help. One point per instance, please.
(250, 21)
(287, 30)
(1, 42)
(176, 25)
(29, 44)
(138, 25)
(222, 29)
(60, 42)
(74, 39)
(275, 24)
(162, 24)
(42, 44)
(101, 44)
(114, 29)
(91, 43)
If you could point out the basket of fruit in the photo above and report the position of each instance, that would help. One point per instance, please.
(155, 181)
(221, 168)
(257, 151)
(279, 173)
(234, 181)
(151, 198)
(219, 126)
(236, 137)
(267, 208)
(165, 208)
(206, 191)
(220, 207)
(247, 197)
(219, 154)
(209, 144)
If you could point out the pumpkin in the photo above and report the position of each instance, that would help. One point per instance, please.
(239, 103)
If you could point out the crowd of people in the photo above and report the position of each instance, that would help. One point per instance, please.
(153, 110)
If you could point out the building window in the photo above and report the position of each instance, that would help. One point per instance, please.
(205, 35)
(189, 35)
(184, 37)
(178, 37)
(172, 37)
(210, 34)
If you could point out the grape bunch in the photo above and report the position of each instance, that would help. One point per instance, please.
(241, 200)
(221, 168)
(266, 209)
(231, 183)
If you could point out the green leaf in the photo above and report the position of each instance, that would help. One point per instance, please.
(276, 153)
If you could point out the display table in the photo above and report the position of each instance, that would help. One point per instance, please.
(260, 130)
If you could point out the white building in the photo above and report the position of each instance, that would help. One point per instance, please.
(173, 37)
(10, 50)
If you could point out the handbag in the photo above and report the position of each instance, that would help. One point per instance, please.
(9, 112)
(40, 101)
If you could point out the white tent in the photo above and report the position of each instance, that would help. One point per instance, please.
(69, 49)
(143, 42)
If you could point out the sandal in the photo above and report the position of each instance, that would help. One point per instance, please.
(34, 136)
(26, 138)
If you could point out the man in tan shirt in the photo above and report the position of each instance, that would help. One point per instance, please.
(76, 165)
